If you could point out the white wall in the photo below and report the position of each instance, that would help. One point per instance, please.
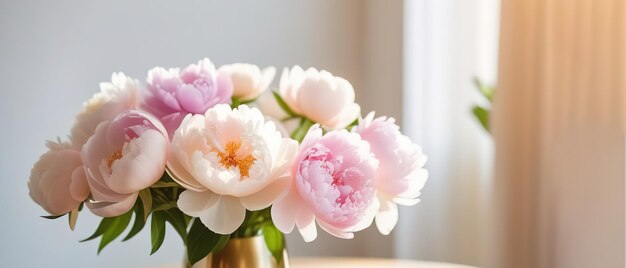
(54, 53)
(448, 43)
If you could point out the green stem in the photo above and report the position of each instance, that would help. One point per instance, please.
(303, 128)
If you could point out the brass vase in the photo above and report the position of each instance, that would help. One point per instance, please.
(250, 252)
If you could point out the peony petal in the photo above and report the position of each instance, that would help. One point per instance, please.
(387, 217)
(114, 209)
(196, 203)
(190, 99)
(267, 75)
(306, 225)
(79, 188)
(225, 216)
(285, 210)
(266, 196)
(335, 232)
(142, 165)
(347, 116)
(406, 201)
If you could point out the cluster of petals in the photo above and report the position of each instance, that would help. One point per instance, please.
(400, 175)
(332, 185)
(233, 160)
(174, 93)
(229, 160)
(124, 156)
(316, 95)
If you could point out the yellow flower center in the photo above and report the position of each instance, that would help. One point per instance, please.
(113, 157)
(229, 158)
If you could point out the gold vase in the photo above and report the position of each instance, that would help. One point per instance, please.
(248, 252)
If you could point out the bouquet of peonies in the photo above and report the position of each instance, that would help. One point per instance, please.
(216, 156)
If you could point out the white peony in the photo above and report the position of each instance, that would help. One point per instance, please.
(230, 160)
(57, 181)
(319, 96)
(114, 98)
(248, 80)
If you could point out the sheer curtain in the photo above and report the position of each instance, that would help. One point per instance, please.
(558, 123)
(446, 44)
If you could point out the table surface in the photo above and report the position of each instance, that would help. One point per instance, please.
(368, 262)
(361, 263)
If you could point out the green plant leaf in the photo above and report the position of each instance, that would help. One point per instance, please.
(140, 220)
(157, 231)
(162, 184)
(200, 241)
(104, 225)
(164, 206)
(274, 241)
(114, 230)
(177, 219)
(221, 244)
(485, 90)
(146, 200)
(52, 217)
(482, 115)
(283, 105)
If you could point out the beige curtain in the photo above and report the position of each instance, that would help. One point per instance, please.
(559, 124)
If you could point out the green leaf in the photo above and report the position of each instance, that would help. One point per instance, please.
(221, 244)
(200, 241)
(104, 225)
(274, 241)
(482, 115)
(146, 200)
(283, 105)
(248, 101)
(162, 184)
(164, 206)
(140, 220)
(157, 231)
(114, 230)
(177, 219)
(485, 90)
(353, 124)
(52, 217)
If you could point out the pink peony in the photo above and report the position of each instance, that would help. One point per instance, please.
(332, 185)
(123, 157)
(173, 94)
(401, 175)
(57, 181)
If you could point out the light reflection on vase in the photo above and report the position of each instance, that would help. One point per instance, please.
(248, 252)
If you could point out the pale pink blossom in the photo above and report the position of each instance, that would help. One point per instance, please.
(319, 96)
(230, 160)
(114, 98)
(124, 156)
(248, 80)
(57, 181)
(401, 175)
(332, 185)
(174, 93)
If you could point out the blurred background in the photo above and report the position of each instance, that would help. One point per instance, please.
(544, 187)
